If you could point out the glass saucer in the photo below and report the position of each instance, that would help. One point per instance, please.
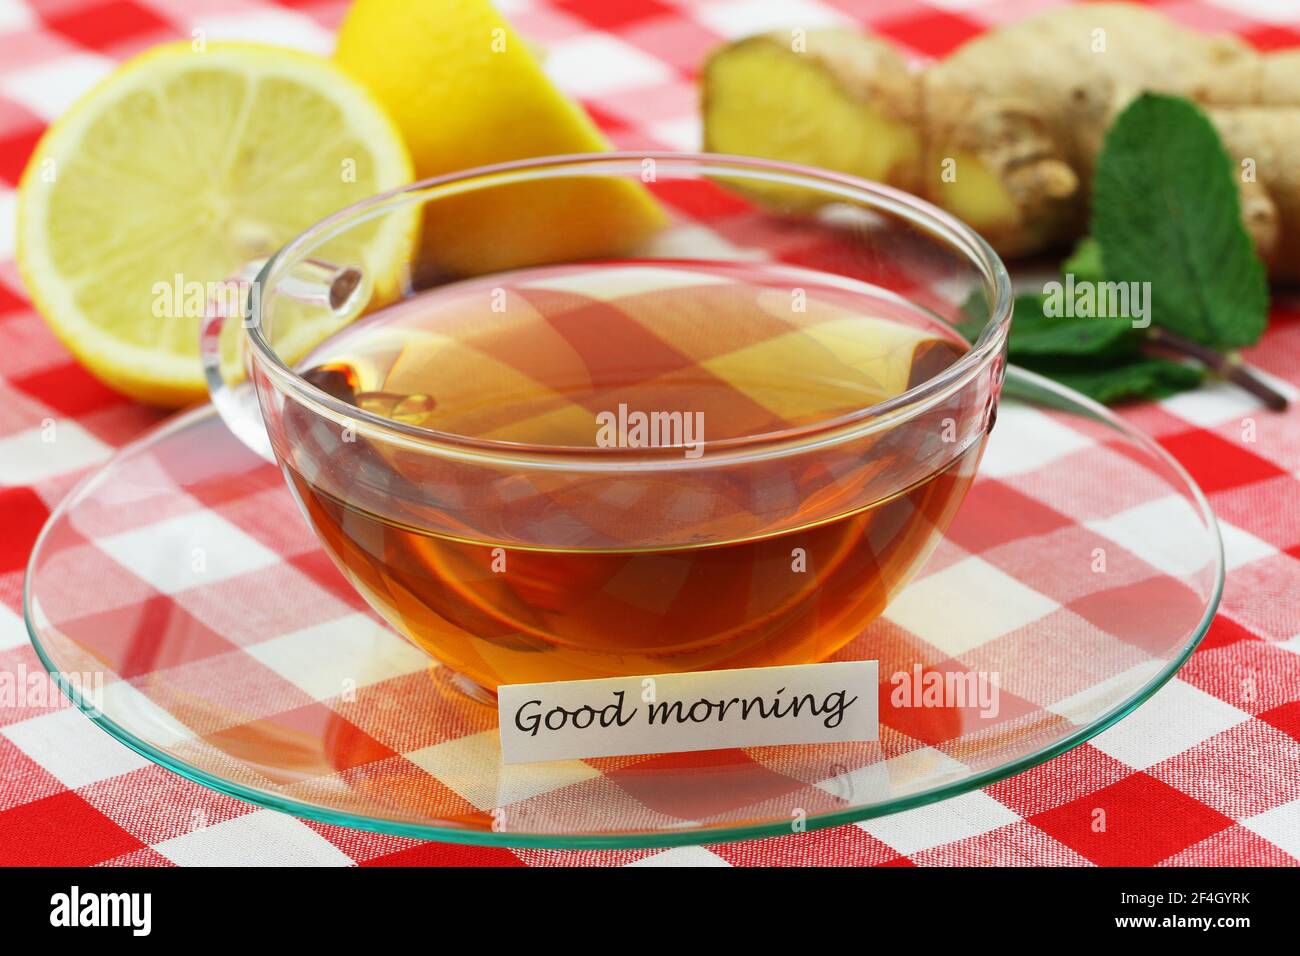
(185, 606)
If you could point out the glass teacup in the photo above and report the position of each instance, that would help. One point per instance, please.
(623, 414)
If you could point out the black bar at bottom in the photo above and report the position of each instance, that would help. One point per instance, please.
(333, 906)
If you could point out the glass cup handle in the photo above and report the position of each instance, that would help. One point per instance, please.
(337, 289)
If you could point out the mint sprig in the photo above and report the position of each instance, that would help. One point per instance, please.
(1102, 358)
(1165, 211)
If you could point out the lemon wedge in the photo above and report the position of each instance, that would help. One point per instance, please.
(466, 91)
(175, 172)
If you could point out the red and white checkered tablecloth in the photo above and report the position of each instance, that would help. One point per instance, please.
(1203, 773)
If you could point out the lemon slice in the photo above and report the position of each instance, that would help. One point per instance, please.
(466, 91)
(176, 171)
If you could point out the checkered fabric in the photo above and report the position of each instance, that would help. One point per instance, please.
(1203, 773)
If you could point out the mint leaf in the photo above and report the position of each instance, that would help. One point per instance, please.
(1126, 380)
(1034, 333)
(1165, 210)
(1085, 262)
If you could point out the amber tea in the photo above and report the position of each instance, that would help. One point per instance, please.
(642, 372)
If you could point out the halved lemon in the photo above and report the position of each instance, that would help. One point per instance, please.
(175, 172)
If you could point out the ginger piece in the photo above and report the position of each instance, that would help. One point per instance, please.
(849, 103)
(1271, 203)
(1006, 130)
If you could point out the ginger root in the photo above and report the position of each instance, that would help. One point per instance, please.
(1004, 133)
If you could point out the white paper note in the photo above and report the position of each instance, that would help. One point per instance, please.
(706, 710)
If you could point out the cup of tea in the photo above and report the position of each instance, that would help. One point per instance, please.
(621, 414)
